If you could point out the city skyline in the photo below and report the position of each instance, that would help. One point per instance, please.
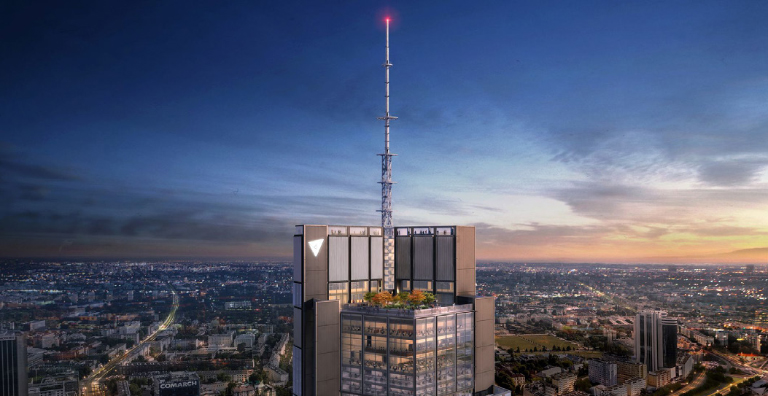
(590, 132)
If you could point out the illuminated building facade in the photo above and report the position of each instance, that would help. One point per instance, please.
(345, 348)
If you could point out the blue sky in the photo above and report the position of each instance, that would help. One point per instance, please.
(573, 131)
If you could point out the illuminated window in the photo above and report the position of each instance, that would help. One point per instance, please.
(358, 290)
(376, 285)
(338, 291)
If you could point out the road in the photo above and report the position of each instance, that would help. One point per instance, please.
(92, 384)
(698, 380)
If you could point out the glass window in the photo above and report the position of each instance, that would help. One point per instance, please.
(358, 290)
(425, 356)
(297, 298)
(351, 340)
(444, 299)
(422, 285)
(358, 231)
(375, 326)
(375, 356)
(405, 285)
(376, 285)
(444, 287)
(375, 231)
(336, 230)
(464, 351)
(446, 355)
(338, 291)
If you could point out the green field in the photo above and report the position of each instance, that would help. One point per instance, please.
(529, 341)
(514, 342)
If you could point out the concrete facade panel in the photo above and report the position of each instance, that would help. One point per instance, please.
(485, 308)
(484, 380)
(465, 282)
(465, 261)
(312, 262)
(316, 285)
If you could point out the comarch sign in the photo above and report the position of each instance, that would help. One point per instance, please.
(174, 385)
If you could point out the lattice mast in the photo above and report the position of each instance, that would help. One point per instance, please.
(386, 186)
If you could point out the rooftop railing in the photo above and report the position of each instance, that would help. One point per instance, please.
(405, 312)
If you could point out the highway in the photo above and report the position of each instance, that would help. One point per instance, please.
(697, 381)
(92, 384)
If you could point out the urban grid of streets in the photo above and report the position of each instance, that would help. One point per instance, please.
(92, 384)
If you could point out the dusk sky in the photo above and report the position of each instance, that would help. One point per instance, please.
(575, 131)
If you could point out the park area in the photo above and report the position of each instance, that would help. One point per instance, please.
(535, 343)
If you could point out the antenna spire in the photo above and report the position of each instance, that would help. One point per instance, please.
(386, 185)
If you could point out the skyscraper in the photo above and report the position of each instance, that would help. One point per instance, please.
(344, 348)
(655, 340)
(13, 365)
(669, 341)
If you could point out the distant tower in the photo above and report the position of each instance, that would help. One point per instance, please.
(655, 340)
(386, 187)
(13, 365)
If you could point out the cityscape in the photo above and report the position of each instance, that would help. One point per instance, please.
(189, 207)
(119, 328)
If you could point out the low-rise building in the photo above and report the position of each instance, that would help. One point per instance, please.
(659, 378)
(634, 386)
(550, 371)
(563, 382)
(179, 383)
(518, 379)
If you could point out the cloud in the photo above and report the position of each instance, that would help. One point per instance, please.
(14, 167)
(731, 172)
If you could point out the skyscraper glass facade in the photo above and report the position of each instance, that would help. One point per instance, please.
(407, 352)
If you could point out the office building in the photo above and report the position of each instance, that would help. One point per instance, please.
(603, 372)
(669, 342)
(655, 340)
(13, 364)
(179, 383)
(447, 349)
(629, 370)
(344, 347)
